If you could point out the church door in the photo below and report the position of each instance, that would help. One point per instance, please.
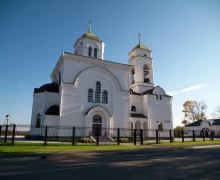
(97, 124)
(94, 129)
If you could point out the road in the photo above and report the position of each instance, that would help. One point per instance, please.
(195, 164)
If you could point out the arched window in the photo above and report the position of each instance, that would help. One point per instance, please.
(133, 108)
(38, 120)
(146, 74)
(98, 86)
(97, 119)
(105, 97)
(95, 52)
(133, 76)
(98, 91)
(90, 51)
(160, 97)
(90, 95)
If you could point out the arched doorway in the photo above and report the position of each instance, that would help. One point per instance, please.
(97, 125)
(138, 127)
(206, 132)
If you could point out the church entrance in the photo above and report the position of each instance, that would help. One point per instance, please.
(97, 125)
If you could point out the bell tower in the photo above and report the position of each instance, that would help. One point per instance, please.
(89, 45)
(141, 75)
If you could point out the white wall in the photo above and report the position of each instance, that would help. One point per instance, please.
(74, 103)
(41, 102)
(159, 110)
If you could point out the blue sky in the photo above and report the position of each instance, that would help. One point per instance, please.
(184, 36)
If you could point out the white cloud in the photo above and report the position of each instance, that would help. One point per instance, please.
(188, 89)
(19, 86)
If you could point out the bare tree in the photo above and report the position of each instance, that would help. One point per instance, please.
(216, 113)
(193, 111)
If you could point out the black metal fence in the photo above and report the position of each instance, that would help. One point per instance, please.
(57, 135)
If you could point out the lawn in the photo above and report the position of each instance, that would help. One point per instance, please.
(25, 148)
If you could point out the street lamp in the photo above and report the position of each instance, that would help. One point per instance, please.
(7, 118)
(159, 125)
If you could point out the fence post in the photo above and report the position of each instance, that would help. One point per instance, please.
(13, 135)
(6, 133)
(170, 136)
(212, 136)
(193, 135)
(118, 136)
(157, 137)
(97, 136)
(203, 135)
(73, 143)
(141, 136)
(134, 136)
(0, 130)
(182, 136)
(45, 136)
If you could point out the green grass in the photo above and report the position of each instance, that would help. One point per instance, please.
(25, 148)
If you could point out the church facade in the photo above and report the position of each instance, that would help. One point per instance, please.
(90, 92)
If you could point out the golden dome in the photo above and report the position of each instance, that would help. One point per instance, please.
(141, 46)
(89, 35)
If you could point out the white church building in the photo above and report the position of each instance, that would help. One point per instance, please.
(89, 91)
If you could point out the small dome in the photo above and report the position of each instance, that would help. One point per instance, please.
(140, 46)
(89, 35)
(52, 87)
(53, 110)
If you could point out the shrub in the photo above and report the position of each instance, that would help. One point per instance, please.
(85, 140)
(124, 140)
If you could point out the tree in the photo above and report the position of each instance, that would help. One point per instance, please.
(178, 132)
(216, 113)
(193, 111)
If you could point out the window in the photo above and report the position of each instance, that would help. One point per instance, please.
(97, 97)
(98, 86)
(132, 75)
(156, 96)
(146, 73)
(133, 108)
(90, 95)
(90, 51)
(38, 120)
(145, 54)
(98, 91)
(97, 119)
(95, 52)
(105, 97)
(81, 43)
(160, 97)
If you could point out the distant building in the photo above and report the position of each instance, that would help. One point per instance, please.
(207, 126)
(88, 91)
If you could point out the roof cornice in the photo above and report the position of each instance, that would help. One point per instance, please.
(59, 62)
(86, 59)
